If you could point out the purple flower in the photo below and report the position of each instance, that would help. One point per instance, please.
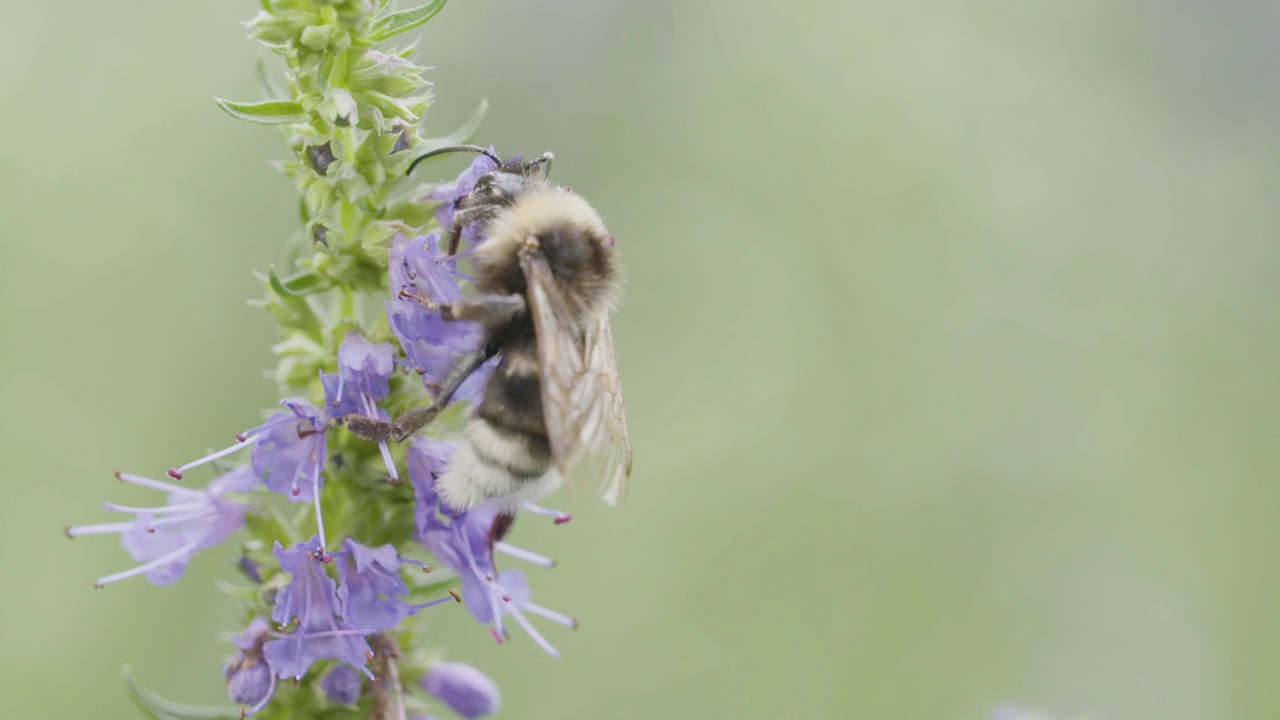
(450, 193)
(311, 599)
(166, 537)
(361, 381)
(342, 685)
(466, 690)
(250, 680)
(362, 377)
(420, 274)
(466, 542)
(371, 588)
(289, 453)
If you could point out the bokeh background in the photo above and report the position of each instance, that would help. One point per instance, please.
(950, 347)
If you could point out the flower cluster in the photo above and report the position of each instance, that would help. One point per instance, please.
(336, 580)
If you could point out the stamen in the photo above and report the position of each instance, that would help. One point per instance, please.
(240, 445)
(471, 560)
(391, 464)
(523, 554)
(175, 519)
(561, 517)
(330, 633)
(496, 636)
(77, 531)
(433, 602)
(158, 562)
(315, 496)
(156, 484)
(342, 384)
(196, 505)
(552, 615)
(533, 633)
(457, 596)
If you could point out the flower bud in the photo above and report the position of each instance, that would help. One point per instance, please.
(466, 690)
(342, 685)
(250, 680)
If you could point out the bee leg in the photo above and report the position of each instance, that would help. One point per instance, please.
(368, 429)
(411, 421)
(464, 217)
(489, 311)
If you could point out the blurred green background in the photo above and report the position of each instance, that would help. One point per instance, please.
(950, 347)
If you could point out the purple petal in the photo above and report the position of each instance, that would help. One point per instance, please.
(371, 587)
(290, 452)
(366, 366)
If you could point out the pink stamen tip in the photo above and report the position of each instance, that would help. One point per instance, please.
(326, 558)
(240, 437)
(297, 492)
(506, 598)
(151, 529)
(174, 474)
(575, 623)
(66, 530)
(497, 638)
(562, 519)
(611, 241)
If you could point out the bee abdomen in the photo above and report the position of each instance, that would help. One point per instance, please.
(522, 454)
(496, 465)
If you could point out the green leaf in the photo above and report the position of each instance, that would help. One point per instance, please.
(396, 23)
(300, 285)
(161, 709)
(458, 137)
(270, 112)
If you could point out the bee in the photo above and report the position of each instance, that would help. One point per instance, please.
(546, 278)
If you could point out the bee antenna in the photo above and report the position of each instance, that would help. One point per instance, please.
(545, 161)
(453, 149)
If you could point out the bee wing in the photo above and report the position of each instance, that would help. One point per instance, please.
(581, 393)
(612, 446)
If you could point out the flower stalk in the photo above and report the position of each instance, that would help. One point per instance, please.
(339, 551)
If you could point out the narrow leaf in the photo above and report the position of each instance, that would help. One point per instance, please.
(458, 137)
(396, 23)
(162, 709)
(270, 112)
(299, 285)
